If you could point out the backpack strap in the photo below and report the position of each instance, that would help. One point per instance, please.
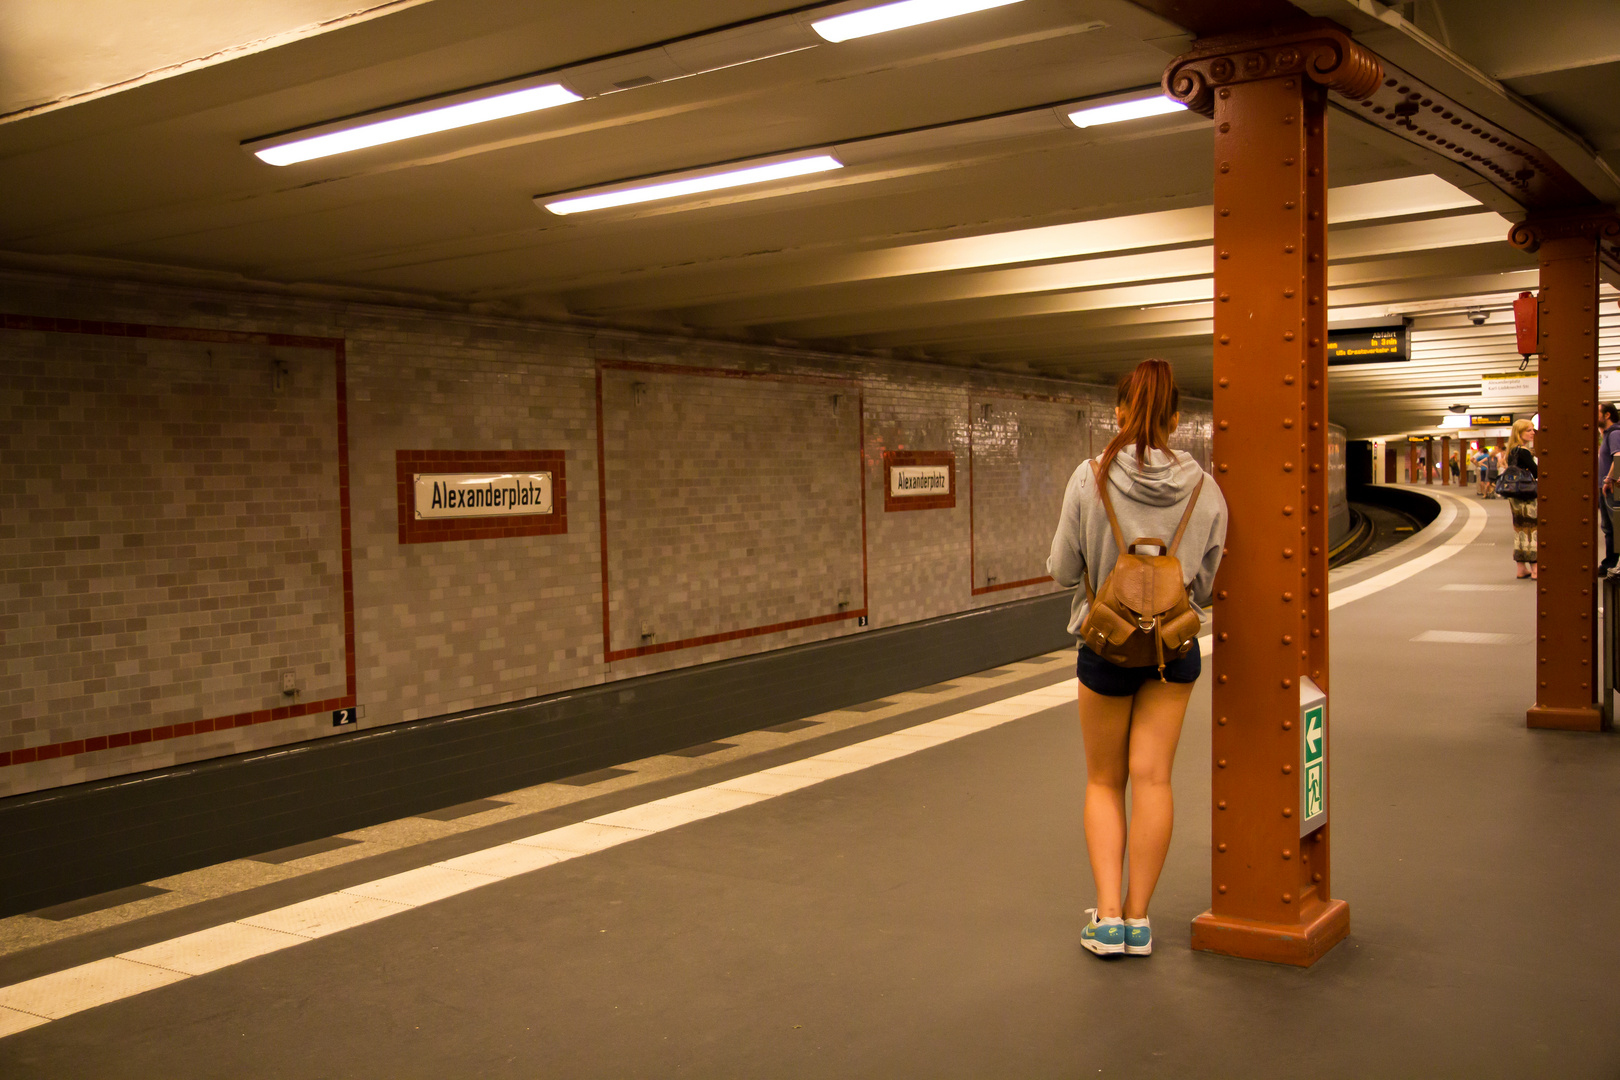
(1108, 506)
(1113, 523)
(1186, 515)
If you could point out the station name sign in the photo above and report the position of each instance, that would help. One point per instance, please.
(1367, 345)
(907, 480)
(472, 495)
(919, 480)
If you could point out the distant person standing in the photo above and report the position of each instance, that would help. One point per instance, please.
(1609, 420)
(1456, 469)
(1521, 459)
(1481, 460)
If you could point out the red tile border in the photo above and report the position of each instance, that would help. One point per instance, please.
(727, 373)
(982, 589)
(893, 503)
(412, 531)
(609, 653)
(75, 747)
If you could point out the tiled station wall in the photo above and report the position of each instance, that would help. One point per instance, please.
(172, 514)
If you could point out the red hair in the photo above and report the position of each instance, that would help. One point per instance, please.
(1150, 400)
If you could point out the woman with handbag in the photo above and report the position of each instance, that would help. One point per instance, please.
(1518, 485)
(1131, 713)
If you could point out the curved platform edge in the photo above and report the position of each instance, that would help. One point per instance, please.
(1301, 945)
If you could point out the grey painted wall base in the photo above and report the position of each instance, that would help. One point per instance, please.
(76, 841)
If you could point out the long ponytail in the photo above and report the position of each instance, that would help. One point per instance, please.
(1150, 402)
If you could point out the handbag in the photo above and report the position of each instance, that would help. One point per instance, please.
(1516, 483)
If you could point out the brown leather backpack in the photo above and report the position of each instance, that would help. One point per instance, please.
(1141, 617)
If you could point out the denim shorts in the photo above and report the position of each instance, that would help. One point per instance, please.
(1111, 680)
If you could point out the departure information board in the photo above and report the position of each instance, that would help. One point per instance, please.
(1367, 345)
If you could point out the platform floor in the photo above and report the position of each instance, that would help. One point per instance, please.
(920, 916)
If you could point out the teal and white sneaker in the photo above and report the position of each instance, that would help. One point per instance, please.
(1105, 937)
(1138, 937)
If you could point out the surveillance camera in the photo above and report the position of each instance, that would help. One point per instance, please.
(1478, 317)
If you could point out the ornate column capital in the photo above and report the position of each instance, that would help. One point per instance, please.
(1600, 224)
(1318, 49)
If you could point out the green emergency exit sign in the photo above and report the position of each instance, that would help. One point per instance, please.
(1312, 757)
(1314, 742)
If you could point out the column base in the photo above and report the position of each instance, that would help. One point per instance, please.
(1584, 718)
(1301, 945)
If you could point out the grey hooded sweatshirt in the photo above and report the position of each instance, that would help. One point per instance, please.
(1148, 500)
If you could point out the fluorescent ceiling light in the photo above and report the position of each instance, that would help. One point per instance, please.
(478, 111)
(880, 20)
(1159, 105)
(1455, 420)
(693, 185)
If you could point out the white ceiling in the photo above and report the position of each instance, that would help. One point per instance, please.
(1009, 242)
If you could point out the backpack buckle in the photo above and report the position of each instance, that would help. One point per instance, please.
(1147, 624)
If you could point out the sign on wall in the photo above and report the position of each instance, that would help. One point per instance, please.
(479, 494)
(919, 480)
(1514, 384)
(1367, 345)
(1490, 419)
(463, 495)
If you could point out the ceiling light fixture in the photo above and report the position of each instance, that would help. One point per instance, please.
(296, 147)
(1135, 109)
(898, 16)
(688, 184)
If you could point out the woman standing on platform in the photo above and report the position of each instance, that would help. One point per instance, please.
(1519, 456)
(1130, 717)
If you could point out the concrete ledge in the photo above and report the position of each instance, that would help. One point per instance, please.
(76, 841)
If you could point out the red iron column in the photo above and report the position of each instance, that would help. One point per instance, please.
(1411, 462)
(1566, 451)
(1271, 897)
(1445, 460)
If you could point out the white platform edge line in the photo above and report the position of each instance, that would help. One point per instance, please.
(1032, 701)
(935, 737)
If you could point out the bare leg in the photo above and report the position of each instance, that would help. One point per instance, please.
(1156, 720)
(1105, 722)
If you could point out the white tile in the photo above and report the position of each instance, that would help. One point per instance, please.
(1005, 708)
(680, 809)
(325, 915)
(967, 722)
(423, 885)
(863, 754)
(12, 1021)
(768, 783)
(64, 993)
(1472, 637)
(505, 860)
(814, 768)
(211, 949)
(651, 817)
(910, 740)
(582, 838)
(940, 731)
(712, 799)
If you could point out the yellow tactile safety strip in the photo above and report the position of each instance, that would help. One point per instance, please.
(26, 931)
(63, 993)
